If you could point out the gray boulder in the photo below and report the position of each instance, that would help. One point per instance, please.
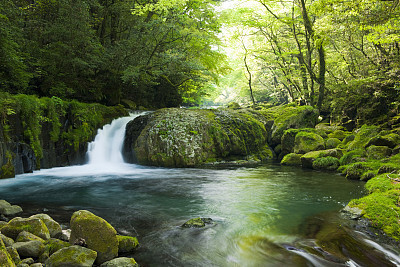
(120, 262)
(31, 225)
(31, 249)
(9, 210)
(53, 226)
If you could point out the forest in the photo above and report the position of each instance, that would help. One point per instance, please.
(339, 56)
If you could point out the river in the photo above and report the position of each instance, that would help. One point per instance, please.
(263, 215)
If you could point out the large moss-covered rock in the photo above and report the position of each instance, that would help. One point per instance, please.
(127, 244)
(98, 234)
(291, 159)
(181, 138)
(28, 249)
(25, 236)
(31, 225)
(292, 117)
(7, 241)
(13, 254)
(53, 226)
(326, 164)
(75, 256)
(120, 262)
(363, 136)
(308, 158)
(51, 246)
(306, 142)
(390, 140)
(8, 209)
(378, 152)
(332, 143)
(5, 258)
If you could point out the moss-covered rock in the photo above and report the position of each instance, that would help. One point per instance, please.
(288, 141)
(25, 236)
(326, 164)
(31, 225)
(390, 140)
(8, 209)
(363, 136)
(339, 134)
(14, 255)
(378, 152)
(182, 138)
(291, 159)
(328, 128)
(306, 142)
(197, 223)
(51, 246)
(308, 158)
(98, 234)
(7, 241)
(356, 170)
(353, 157)
(5, 258)
(120, 262)
(53, 226)
(332, 143)
(76, 256)
(127, 244)
(292, 117)
(28, 249)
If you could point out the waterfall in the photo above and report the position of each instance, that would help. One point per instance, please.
(107, 145)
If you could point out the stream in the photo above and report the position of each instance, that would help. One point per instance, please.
(265, 215)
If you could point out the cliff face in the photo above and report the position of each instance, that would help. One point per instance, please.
(47, 132)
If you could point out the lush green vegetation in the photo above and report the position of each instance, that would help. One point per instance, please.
(155, 53)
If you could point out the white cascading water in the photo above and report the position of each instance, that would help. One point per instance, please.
(106, 148)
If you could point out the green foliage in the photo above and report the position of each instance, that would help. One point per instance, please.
(326, 163)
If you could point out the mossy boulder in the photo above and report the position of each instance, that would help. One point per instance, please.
(9, 210)
(53, 226)
(308, 158)
(339, 134)
(184, 138)
(390, 140)
(25, 236)
(356, 170)
(120, 262)
(328, 128)
(5, 258)
(127, 244)
(98, 234)
(292, 117)
(353, 156)
(30, 249)
(197, 223)
(306, 142)
(7, 241)
(31, 225)
(326, 164)
(76, 256)
(288, 141)
(51, 246)
(291, 159)
(14, 255)
(332, 143)
(378, 152)
(363, 136)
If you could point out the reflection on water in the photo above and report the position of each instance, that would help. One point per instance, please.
(258, 211)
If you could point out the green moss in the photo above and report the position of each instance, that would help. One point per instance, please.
(306, 142)
(382, 209)
(332, 143)
(326, 163)
(127, 244)
(378, 152)
(363, 136)
(8, 169)
(352, 156)
(292, 159)
(339, 134)
(5, 258)
(381, 183)
(356, 170)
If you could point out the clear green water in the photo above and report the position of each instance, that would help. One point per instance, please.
(259, 212)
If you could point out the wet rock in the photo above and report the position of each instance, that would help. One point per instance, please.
(99, 235)
(72, 256)
(197, 223)
(9, 210)
(29, 249)
(352, 213)
(31, 225)
(65, 235)
(127, 244)
(53, 226)
(120, 262)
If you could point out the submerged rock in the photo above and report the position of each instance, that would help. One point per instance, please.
(127, 244)
(72, 256)
(98, 234)
(197, 223)
(120, 262)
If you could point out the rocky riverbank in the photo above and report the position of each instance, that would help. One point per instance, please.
(40, 241)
